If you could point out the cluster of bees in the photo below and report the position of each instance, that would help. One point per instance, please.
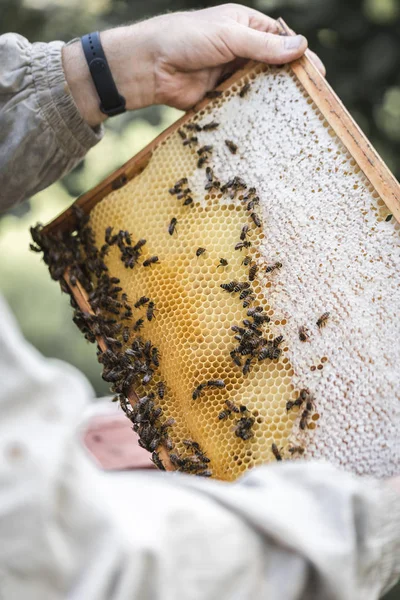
(243, 423)
(126, 362)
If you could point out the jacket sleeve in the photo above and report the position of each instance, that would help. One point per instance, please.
(42, 135)
(288, 531)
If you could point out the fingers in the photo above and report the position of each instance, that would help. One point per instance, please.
(314, 58)
(317, 62)
(241, 14)
(246, 42)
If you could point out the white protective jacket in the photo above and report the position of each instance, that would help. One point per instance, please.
(70, 531)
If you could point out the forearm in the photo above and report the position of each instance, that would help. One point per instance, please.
(42, 133)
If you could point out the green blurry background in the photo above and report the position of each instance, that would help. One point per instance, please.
(358, 40)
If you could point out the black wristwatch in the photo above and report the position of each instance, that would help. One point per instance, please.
(111, 101)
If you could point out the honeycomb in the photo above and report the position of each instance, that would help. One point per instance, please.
(320, 240)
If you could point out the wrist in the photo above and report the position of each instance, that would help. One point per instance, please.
(81, 85)
(131, 63)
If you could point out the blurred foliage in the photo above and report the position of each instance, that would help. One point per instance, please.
(358, 40)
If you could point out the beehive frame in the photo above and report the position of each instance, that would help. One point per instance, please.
(328, 104)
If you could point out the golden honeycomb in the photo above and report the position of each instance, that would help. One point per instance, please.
(194, 315)
(322, 226)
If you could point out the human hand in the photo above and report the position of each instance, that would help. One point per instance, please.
(175, 59)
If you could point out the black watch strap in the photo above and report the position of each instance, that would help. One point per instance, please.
(111, 102)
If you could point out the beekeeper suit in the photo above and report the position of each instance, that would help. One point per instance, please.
(71, 531)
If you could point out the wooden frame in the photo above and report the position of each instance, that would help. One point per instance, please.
(331, 108)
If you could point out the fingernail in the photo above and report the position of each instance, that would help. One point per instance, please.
(294, 42)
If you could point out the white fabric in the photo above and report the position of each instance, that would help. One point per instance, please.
(70, 531)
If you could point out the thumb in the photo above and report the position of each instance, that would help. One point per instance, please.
(271, 48)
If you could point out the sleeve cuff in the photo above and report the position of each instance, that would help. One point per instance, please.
(59, 110)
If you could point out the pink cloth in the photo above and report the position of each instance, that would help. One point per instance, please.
(113, 444)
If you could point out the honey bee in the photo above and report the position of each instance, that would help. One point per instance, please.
(206, 473)
(212, 185)
(247, 366)
(183, 193)
(193, 126)
(222, 262)
(276, 452)
(155, 356)
(213, 94)
(200, 251)
(228, 287)
(109, 238)
(126, 334)
(307, 411)
(254, 202)
(244, 90)
(224, 415)
(210, 126)
(148, 377)
(296, 450)
(254, 311)
(198, 391)
(289, 405)
(231, 146)
(188, 201)
(248, 301)
(172, 225)
(168, 423)
(218, 383)
(157, 461)
(271, 268)
(232, 406)
(240, 286)
(205, 149)
(182, 134)
(269, 352)
(141, 302)
(256, 219)
(244, 232)
(322, 321)
(161, 389)
(150, 311)
(304, 333)
(252, 272)
(247, 292)
(241, 245)
(243, 428)
(192, 140)
(150, 261)
(202, 161)
(209, 174)
(181, 182)
(191, 444)
(246, 261)
(304, 419)
(235, 358)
